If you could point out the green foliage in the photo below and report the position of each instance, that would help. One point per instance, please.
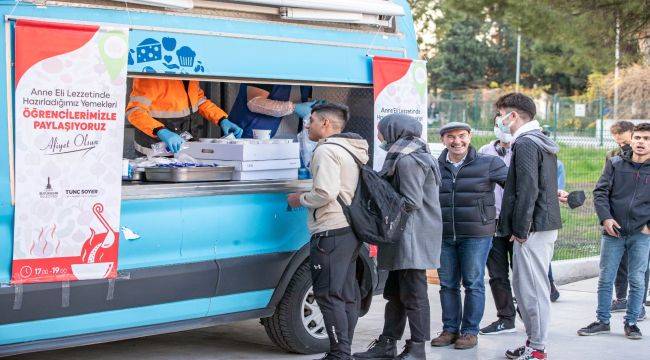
(562, 41)
(462, 57)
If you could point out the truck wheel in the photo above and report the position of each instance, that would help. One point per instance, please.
(297, 324)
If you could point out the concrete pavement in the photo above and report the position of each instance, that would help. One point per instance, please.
(247, 340)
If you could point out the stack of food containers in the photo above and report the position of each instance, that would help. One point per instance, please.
(253, 159)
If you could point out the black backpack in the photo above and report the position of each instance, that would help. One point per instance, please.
(377, 214)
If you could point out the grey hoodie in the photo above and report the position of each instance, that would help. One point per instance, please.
(543, 141)
(334, 172)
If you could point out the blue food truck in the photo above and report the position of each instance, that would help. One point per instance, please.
(211, 252)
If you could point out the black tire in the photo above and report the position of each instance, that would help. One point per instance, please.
(285, 327)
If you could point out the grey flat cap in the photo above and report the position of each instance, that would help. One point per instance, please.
(454, 126)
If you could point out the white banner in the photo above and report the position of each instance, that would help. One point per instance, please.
(400, 87)
(69, 101)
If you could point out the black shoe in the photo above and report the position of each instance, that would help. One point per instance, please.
(632, 332)
(516, 353)
(594, 328)
(619, 305)
(647, 303)
(498, 327)
(412, 351)
(555, 294)
(380, 349)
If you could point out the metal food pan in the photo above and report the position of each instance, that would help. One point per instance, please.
(189, 174)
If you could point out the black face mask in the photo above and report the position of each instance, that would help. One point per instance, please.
(626, 147)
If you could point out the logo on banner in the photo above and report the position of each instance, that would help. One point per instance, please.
(48, 192)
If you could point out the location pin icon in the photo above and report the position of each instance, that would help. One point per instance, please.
(419, 71)
(113, 49)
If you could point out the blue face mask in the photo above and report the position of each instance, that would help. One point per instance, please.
(503, 127)
(384, 145)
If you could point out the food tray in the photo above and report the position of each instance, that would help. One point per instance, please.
(189, 174)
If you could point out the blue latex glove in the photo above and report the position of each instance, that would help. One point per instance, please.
(171, 139)
(227, 127)
(303, 110)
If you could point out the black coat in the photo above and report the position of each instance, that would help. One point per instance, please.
(530, 202)
(467, 196)
(623, 194)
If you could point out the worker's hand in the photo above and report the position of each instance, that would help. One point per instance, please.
(172, 140)
(293, 200)
(227, 127)
(303, 110)
(612, 227)
(519, 240)
(563, 196)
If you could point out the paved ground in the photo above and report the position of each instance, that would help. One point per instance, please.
(247, 340)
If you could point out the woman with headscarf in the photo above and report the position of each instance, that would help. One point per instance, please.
(414, 173)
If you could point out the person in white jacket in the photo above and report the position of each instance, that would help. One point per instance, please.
(334, 247)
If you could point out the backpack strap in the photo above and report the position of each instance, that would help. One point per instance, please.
(356, 159)
(338, 198)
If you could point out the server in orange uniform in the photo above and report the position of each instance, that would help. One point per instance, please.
(161, 109)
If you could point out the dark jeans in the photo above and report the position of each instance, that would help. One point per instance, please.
(620, 284)
(406, 292)
(463, 260)
(333, 271)
(498, 264)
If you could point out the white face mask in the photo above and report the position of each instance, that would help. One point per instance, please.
(503, 137)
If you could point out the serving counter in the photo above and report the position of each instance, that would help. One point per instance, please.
(142, 190)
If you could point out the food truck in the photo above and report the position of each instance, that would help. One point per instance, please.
(87, 257)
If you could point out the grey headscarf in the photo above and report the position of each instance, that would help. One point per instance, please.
(402, 134)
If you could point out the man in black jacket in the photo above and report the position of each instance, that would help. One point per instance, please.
(530, 217)
(622, 201)
(468, 216)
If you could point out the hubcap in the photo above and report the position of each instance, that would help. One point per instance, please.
(312, 317)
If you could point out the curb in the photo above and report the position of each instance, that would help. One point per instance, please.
(567, 271)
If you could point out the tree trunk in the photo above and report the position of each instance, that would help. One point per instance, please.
(644, 44)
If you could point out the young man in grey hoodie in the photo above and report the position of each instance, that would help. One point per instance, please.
(530, 217)
(334, 247)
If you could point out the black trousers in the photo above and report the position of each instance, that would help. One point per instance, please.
(406, 292)
(499, 263)
(620, 284)
(333, 257)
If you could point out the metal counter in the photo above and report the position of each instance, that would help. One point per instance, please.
(143, 190)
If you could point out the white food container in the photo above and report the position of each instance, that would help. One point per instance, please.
(242, 151)
(283, 174)
(259, 165)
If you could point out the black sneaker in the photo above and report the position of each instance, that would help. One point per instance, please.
(555, 293)
(632, 332)
(619, 305)
(498, 327)
(594, 328)
(516, 353)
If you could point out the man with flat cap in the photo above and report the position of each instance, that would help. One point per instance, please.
(468, 215)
